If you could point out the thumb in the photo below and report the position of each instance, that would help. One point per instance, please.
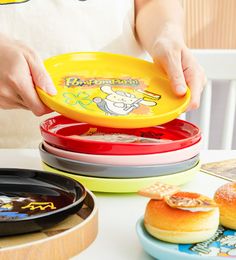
(173, 67)
(39, 74)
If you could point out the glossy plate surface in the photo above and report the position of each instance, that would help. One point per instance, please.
(114, 171)
(31, 200)
(113, 185)
(84, 138)
(122, 160)
(111, 90)
(220, 246)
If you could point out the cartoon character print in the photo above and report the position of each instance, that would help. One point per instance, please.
(119, 103)
(7, 2)
(223, 244)
(227, 247)
(7, 207)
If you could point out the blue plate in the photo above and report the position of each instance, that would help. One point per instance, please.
(221, 246)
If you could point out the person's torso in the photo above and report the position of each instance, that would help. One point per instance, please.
(53, 27)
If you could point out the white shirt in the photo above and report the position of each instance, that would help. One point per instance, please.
(52, 27)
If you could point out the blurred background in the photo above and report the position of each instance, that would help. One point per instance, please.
(211, 24)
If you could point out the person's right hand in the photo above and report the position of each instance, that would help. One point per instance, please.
(20, 71)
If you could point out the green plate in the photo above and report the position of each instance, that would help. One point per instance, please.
(126, 185)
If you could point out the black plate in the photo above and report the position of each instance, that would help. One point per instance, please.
(32, 200)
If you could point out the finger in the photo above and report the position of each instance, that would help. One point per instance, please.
(196, 79)
(29, 97)
(196, 87)
(172, 65)
(15, 95)
(39, 74)
(9, 95)
(21, 102)
(21, 90)
(6, 104)
(22, 106)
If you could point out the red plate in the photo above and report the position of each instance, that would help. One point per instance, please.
(74, 136)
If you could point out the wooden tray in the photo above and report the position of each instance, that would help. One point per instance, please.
(64, 240)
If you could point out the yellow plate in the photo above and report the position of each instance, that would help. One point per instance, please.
(111, 90)
(126, 185)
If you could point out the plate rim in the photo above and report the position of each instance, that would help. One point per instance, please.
(50, 213)
(56, 135)
(43, 240)
(140, 229)
(71, 112)
(127, 185)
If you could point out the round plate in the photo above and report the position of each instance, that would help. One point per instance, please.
(158, 158)
(122, 160)
(47, 243)
(74, 136)
(114, 171)
(126, 185)
(31, 200)
(111, 90)
(220, 246)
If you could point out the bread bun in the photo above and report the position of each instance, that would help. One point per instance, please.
(183, 225)
(225, 197)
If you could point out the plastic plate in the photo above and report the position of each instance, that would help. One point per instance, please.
(115, 185)
(111, 90)
(220, 246)
(32, 200)
(70, 135)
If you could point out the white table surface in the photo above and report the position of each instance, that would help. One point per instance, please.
(118, 213)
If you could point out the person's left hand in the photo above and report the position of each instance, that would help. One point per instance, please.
(171, 52)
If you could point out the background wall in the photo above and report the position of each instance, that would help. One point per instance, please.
(211, 24)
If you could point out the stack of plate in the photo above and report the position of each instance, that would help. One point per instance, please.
(120, 131)
(120, 160)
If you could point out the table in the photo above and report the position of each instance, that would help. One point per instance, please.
(118, 213)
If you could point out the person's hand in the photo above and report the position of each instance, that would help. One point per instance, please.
(20, 71)
(180, 65)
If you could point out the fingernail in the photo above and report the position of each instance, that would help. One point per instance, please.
(52, 91)
(181, 89)
(50, 88)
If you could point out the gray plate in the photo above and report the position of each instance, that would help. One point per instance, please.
(114, 171)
